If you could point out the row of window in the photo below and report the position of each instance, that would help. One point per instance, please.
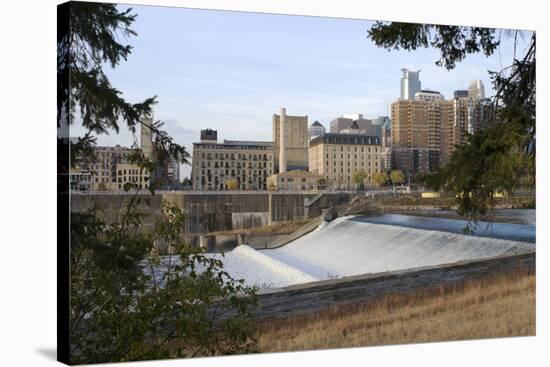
(348, 170)
(291, 179)
(232, 156)
(204, 164)
(349, 156)
(221, 172)
(336, 163)
(355, 149)
(130, 172)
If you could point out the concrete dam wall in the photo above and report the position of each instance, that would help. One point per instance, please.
(216, 211)
(112, 207)
(209, 212)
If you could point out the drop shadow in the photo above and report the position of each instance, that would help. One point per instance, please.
(50, 353)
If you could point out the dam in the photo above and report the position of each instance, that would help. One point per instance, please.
(351, 246)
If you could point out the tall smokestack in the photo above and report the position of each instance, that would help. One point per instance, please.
(282, 140)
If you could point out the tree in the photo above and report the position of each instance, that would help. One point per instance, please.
(381, 178)
(93, 41)
(397, 177)
(501, 156)
(231, 184)
(186, 182)
(126, 302)
(358, 178)
(124, 307)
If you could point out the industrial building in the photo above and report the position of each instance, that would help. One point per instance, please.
(336, 156)
(296, 140)
(214, 164)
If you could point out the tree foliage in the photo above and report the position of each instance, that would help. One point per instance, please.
(454, 42)
(92, 43)
(358, 178)
(397, 177)
(231, 184)
(381, 178)
(128, 303)
(501, 155)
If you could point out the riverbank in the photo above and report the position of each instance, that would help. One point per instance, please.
(489, 307)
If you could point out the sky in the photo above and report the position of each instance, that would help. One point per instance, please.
(231, 71)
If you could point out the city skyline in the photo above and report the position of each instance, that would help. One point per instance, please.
(235, 79)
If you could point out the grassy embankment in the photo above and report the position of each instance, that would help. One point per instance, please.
(495, 306)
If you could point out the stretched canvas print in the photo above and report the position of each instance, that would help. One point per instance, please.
(233, 182)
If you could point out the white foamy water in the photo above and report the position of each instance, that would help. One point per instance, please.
(352, 246)
(256, 268)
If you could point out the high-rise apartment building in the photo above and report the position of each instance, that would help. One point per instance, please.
(249, 163)
(336, 156)
(420, 128)
(468, 116)
(410, 83)
(296, 138)
(428, 131)
(428, 95)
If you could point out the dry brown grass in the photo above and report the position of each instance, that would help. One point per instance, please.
(496, 306)
(278, 228)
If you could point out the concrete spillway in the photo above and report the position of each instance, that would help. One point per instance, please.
(352, 246)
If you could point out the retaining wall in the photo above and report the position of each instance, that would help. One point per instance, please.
(316, 296)
(218, 211)
(249, 220)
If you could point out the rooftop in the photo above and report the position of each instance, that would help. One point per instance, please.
(248, 142)
(317, 123)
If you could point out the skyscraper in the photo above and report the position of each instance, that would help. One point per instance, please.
(476, 90)
(410, 84)
(146, 141)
